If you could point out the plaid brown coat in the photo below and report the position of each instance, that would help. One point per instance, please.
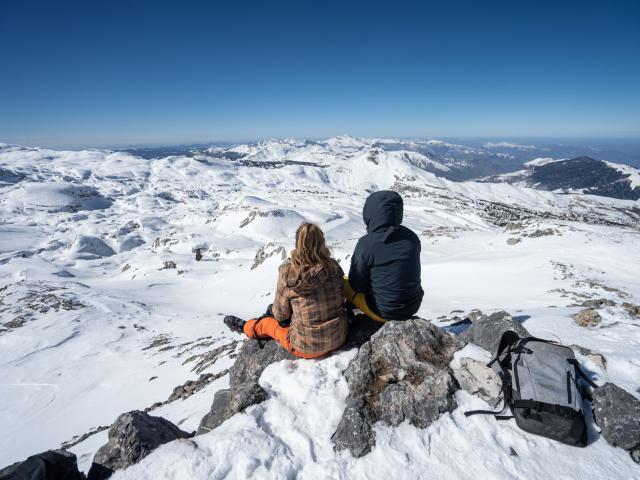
(315, 305)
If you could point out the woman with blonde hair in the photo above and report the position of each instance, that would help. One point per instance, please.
(308, 317)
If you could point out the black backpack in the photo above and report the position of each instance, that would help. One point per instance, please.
(543, 386)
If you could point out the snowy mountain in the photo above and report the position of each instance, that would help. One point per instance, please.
(105, 309)
(581, 174)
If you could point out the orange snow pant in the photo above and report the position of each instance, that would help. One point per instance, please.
(359, 301)
(268, 327)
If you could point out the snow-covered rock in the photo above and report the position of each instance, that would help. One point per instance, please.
(133, 436)
(401, 374)
(87, 247)
(56, 197)
(244, 389)
(487, 331)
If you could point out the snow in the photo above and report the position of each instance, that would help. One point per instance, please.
(132, 325)
(509, 145)
(634, 173)
(536, 162)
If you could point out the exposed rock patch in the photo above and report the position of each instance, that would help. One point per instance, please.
(595, 357)
(476, 378)
(633, 310)
(617, 413)
(588, 318)
(244, 389)
(401, 374)
(133, 436)
(486, 331)
(49, 465)
(267, 251)
(598, 303)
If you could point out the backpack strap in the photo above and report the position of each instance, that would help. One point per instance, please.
(581, 373)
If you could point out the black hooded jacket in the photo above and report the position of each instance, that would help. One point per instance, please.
(386, 262)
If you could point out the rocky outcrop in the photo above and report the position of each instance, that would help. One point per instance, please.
(50, 465)
(401, 374)
(244, 389)
(633, 310)
(476, 378)
(486, 331)
(133, 436)
(595, 357)
(598, 303)
(587, 318)
(617, 413)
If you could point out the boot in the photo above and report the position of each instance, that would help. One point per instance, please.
(235, 324)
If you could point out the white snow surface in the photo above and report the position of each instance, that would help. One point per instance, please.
(94, 321)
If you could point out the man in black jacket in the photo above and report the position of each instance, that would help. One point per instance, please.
(384, 278)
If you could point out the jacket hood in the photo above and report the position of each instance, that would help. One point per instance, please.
(309, 280)
(383, 211)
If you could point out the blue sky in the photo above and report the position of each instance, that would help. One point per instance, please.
(97, 73)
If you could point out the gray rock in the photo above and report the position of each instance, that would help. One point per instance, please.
(401, 374)
(475, 315)
(595, 357)
(617, 413)
(598, 303)
(478, 379)
(635, 455)
(486, 332)
(243, 390)
(228, 402)
(49, 465)
(587, 318)
(633, 310)
(133, 436)
(168, 265)
(513, 241)
(252, 360)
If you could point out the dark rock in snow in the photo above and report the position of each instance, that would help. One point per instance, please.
(243, 390)
(486, 332)
(401, 374)
(50, 465)
(617, 413)
(133, 436)
(598, 303)
(228, 402)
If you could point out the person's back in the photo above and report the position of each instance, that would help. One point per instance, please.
(386, 262)
(308, 317)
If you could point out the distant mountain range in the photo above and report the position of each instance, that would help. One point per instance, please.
(577, 175)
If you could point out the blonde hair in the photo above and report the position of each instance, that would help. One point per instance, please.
(311, 249)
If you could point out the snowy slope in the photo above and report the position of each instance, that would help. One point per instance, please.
(95, 320)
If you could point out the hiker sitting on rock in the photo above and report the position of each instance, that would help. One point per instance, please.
(384, 278)
(310, 294)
